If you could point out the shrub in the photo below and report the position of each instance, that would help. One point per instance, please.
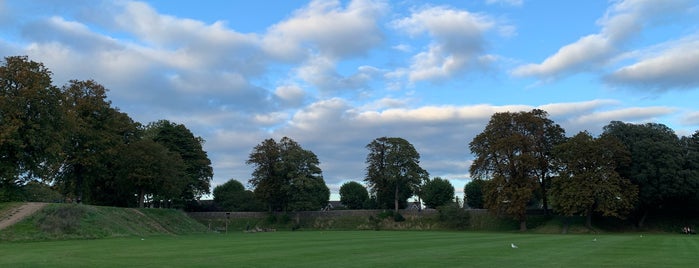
(452, 216)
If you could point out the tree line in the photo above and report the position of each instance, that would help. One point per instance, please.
(70, 144)
(523, 160)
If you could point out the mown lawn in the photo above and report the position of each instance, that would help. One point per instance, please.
(361, 249)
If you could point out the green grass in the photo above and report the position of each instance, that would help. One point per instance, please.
(71, 221)
(360, 249)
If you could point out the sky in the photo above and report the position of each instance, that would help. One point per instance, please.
(335, 75)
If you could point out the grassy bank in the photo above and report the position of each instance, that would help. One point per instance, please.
(71, 221)
(361, 249)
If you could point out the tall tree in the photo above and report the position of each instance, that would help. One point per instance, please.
(437, 192)
(178, 139)
(286, 176)
(31, 118)
(473, 193)
(393, 170)
(514, 154)
(96, 131)
(353, 195)
(690, 171)
(588, 181)
(149, 169)
(655, 166)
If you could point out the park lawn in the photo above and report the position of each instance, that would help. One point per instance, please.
(360, 249)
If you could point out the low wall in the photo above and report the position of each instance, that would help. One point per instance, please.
(314, 214)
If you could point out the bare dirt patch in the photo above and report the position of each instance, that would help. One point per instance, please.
(17, 214)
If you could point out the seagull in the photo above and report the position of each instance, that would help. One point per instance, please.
(513, 245)
(594, 240)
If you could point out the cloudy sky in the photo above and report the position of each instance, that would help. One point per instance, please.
(334, 75)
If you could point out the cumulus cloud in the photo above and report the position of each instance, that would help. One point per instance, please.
(673, 67)
(458, 41)
(327, 29)
(623, 21)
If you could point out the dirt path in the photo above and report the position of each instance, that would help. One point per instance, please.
(17, 214)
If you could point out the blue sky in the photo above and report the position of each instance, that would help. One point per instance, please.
(334, 75)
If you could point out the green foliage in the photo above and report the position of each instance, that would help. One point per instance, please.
(437, 192)
(393, 171)
(95, 132)
(473, 193)
(588, 181)
(453, 216)
(353, 195)
(287, 177)
(513, 154)
(178, 139)
(232, 196)
(149, 168)
(656, 166)
(31, 124)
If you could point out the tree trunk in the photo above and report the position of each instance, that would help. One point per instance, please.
(588, 220)
(566, 224)
(523, 225)
(642, 221)
(141, 196)
(544, 199)
(395, 199)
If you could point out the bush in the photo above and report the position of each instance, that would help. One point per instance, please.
(452, 216)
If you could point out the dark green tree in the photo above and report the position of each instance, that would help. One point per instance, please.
(232, 196)
(353, 195)
(287, 177)
(473, 193)
(655, 167)
(514, 154)
(588, 181)
(31, 119)
(178, 139)
(95, 133)
(690, 171)
(393, 171)
(148, 169)
(437, 192)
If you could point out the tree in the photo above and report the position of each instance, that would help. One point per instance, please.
(690, 170)
(95, 133)
(473, 193)
(178, 139)
(588, 181)
(393, 171)
(232, 196)
(353, 195)
(286, 176)
(31, 118)
(655, 166)
(513, 154)
(437, 192)
(149, 169)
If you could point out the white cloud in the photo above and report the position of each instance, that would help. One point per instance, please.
(291, 95)
(691, 119)
(458, 41)
(326, 28)
(674, 66)
(623, 21)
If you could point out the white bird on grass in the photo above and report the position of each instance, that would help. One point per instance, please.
(513, 245)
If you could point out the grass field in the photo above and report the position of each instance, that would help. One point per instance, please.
(360, 249)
